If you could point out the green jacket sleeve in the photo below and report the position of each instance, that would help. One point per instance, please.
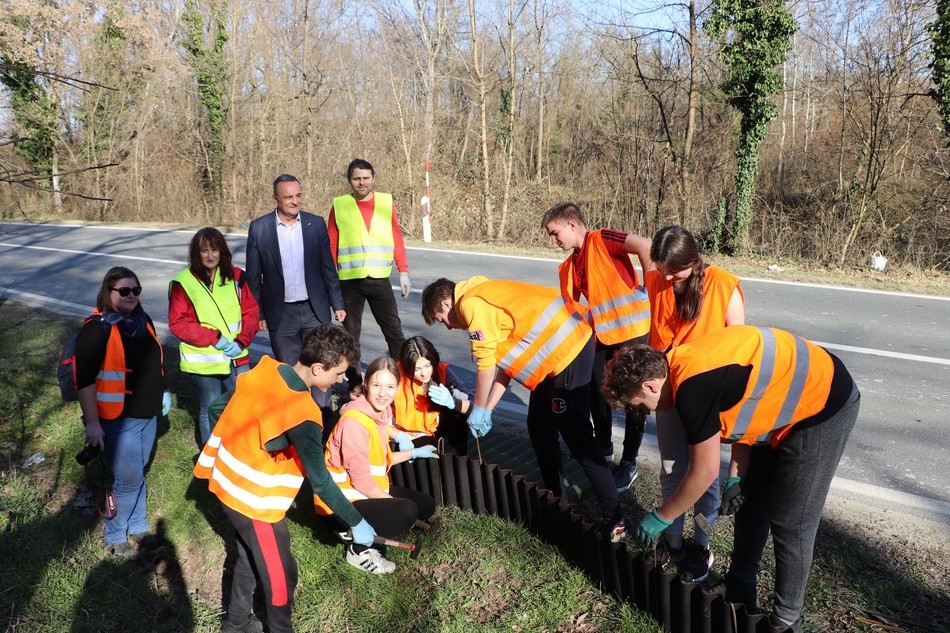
(307, 437)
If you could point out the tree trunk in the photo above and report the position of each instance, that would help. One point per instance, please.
(482, 89)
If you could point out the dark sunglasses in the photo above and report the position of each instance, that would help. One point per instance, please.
(125, 292)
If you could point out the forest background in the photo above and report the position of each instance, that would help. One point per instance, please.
(808, 129)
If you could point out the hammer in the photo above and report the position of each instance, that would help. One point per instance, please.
(413, 548)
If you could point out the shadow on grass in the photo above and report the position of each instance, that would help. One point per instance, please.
(857, 584)
(147, 593)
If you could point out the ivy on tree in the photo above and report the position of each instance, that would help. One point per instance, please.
(755, 37)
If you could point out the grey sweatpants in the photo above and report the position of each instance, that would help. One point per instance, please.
(785, 490)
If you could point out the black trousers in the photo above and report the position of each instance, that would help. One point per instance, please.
(601, 412)
(382, 303)
(560, 406)
(453, 429)
(264, 557)
(392, 517)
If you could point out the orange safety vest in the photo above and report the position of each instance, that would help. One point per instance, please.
(243, 474)
(548, 332)
(379, 460)
(790, 379)
(415, 413)
(667, 330)
(619, 313)
(110, 381)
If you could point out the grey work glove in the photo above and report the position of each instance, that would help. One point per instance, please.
(404, 284)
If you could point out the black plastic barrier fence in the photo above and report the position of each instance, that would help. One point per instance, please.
(679, 607)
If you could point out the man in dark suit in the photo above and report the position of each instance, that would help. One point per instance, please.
(291, 272)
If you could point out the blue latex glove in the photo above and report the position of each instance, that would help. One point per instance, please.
(427, 451)
(441, 395)
(731, 496)
(233, 350)
(363, 533)
(479, 421)
(222, 343)
(166, 403)
(403, 441)
(651, 526)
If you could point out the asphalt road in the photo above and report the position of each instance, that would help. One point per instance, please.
(897, 346)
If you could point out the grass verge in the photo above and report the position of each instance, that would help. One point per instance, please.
(475, 574)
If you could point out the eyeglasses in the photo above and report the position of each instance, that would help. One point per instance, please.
(125, 292)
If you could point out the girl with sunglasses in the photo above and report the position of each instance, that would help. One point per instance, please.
(120, 381)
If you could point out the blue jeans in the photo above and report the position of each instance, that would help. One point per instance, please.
(129, 443)
(207, 388)
(674, 462)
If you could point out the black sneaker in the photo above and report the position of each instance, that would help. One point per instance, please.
(696, 563)
(626, 473)
(253, 625)
(664, 555)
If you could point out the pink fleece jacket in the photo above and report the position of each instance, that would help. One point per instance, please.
(348, 446)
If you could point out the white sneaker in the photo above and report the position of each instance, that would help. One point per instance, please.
(370, 560)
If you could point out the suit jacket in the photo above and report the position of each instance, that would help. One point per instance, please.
(265, 274)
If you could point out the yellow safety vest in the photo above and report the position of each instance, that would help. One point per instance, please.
(364, 253)
(218, 307)
(379, 461)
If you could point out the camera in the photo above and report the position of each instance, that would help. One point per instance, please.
(87, 454)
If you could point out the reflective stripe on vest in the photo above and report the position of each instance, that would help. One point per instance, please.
(548, 333)
(525, 358)
(110, 380)
(632, 315)
(247, 478)
(264, 480)
(619, 313)
(218, 307)
(789, 381)
(363, 253)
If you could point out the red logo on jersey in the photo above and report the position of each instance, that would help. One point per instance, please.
(558, 405)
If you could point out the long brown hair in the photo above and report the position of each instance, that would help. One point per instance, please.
(412, 350)
(213, 238)
(674, 249)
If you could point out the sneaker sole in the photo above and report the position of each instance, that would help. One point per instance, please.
(627, 487)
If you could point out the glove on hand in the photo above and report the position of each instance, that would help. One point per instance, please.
(403, 441)
(363, 533)
(404, 284)
(233, 350)
(479, 421)
(424, 452)
(651, 526)
(166, 403)
(732, 497)
(441, 395)
(222, 343)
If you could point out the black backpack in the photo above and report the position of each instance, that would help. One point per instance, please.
(66, 372)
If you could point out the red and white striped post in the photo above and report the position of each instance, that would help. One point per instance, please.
(426, 214)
